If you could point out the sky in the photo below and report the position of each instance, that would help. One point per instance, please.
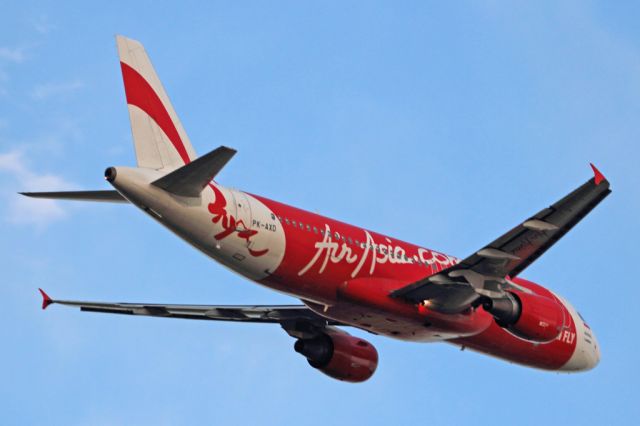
(438, 123)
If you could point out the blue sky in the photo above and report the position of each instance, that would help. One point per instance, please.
(440, 124)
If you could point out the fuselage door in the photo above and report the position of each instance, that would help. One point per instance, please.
(243, 211)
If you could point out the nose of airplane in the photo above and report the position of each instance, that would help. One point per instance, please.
(591, 352)
(596, 351)
(587, 352)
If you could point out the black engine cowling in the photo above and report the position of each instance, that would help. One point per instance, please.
(340, 355)
(529, 316)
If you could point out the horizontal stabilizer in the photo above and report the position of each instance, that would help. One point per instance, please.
(101, 196)
(190, 179)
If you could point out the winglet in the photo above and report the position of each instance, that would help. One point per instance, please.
(46, 300)
(597, 176)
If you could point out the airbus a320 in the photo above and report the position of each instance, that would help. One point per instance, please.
(344, 275)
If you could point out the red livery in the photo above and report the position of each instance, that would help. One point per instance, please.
(344, 275)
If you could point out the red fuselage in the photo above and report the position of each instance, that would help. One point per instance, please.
(346, 273)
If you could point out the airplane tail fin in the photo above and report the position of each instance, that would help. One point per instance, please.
(159, 138)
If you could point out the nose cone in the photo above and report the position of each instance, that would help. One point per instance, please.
(584, 358)
(597, 352)
(587, 353)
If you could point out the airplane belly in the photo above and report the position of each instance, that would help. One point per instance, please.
(384, 323)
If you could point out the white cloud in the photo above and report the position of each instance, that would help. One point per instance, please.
(13, 54)
(43, 25)
(4, 77)
(48, 90)
(23, 210)
(8, 55)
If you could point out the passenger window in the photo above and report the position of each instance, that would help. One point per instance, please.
(336, 235)
(286, 219)
(294, 223)
(315, 230)
(350, 240)
(309, 228)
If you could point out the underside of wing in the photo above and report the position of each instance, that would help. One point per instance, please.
(487, 271)
(278, 314)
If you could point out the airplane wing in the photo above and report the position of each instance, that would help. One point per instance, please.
(293, 318)
(487, 271)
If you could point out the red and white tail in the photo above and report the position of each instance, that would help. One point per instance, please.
(159, 138)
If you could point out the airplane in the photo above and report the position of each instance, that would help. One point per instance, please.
(344, 275)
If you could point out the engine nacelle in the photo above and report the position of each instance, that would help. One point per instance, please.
(529, 316)
(340, 355)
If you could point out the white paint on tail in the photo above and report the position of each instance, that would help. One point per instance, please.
(159, 138)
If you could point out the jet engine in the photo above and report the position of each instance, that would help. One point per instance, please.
(340, 355)
(529, 316)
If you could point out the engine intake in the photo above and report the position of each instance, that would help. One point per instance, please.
(340, 355)
(529, 316)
